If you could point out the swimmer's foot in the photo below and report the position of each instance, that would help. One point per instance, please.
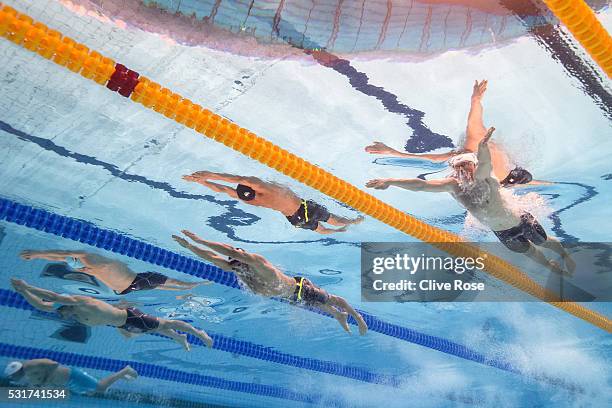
(129, 373)
(182, 340)
(342, 318)
(556, 268)
(358, 220)
(181, 241)
(206, 339)
(570, 264)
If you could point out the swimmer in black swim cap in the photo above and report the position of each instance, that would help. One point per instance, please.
(245, 193)
(305, 214)
(517, 176)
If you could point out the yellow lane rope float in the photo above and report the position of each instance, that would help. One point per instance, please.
(581, 21)
(50, 44)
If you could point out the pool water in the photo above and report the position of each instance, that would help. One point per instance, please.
(77, 150)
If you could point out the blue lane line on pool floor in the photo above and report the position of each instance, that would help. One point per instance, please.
(224, 223)
(12, 299)
(90, 234)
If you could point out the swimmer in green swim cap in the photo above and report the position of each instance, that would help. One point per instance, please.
(43, 372)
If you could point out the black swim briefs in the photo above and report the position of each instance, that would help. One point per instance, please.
(139, 322)
(308, 215)
(307, 292)
(517, 238)
(145, 281)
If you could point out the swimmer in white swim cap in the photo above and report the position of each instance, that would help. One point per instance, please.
(474, 186)
(474, 133)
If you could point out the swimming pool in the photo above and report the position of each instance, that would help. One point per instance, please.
(77, 150)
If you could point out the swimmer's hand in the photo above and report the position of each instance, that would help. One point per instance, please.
(488, 136)
(191, 235)
(197, 176)
(27, 255)
(181, 241)
(380, 148)
(19, 284)
(378, 184)
(479, 89)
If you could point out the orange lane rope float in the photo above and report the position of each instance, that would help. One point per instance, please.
(581, 21)
(34, 36)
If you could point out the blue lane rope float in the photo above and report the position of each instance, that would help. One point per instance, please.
(87, 233)
(113, 241)
(160, 372)
(12, 299)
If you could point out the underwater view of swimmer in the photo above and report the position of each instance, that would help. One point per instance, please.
(130, 322)
(113, 273)
(301, 213)
(44, 372)
(263, 278)
(475, 131)
(476, 188)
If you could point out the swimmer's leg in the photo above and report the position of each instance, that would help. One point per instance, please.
(537, 255)
(175, 284)
(341, 317)
(554, 245)
(339, 221)
(125, 372)
(167, 326)
(342, 304)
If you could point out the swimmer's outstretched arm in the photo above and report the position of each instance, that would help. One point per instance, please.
(475, 125)
(205, 254)
(39, 298)
(204, 175)
(485, 166)
(224, 249)
(445, 185)
(52, 255)
(383, 149)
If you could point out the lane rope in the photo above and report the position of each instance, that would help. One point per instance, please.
(582, 22)
(113, 241)
(22, 30)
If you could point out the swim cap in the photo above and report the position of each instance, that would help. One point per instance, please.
(517, 176)
(462, 158)
(245, 193)
(12, 368)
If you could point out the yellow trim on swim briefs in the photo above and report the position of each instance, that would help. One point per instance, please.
(299, 295)
(305, 210)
